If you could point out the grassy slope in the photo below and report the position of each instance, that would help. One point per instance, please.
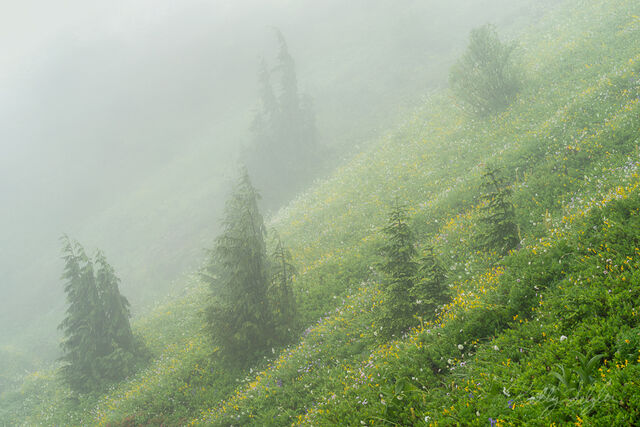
(569, 143)
(155, 231)
(570, 137)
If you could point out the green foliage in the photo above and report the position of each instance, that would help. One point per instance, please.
(575, 379)
(498, 230)
(399, 268)
(239, 317)
(587, 368)
(525, 279)
(82, 324)
(627, 342)
(119, 346)
(431, 290)
(484, 79)
(99, 347)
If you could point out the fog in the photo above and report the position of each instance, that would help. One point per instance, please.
(121, 122)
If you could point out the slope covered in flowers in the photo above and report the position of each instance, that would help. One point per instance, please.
(569, 145)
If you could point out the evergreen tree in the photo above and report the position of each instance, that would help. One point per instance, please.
(399, 267)
(284, 152)
(498, 229)
(82, 324)
(484, 79)
(289, 98)
(239, 317)
(269, 102)
(431, 290)
(98, 344)
(118, 344)
(283, 303)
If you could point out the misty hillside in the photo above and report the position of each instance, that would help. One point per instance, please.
(123, 128)
(542, 327)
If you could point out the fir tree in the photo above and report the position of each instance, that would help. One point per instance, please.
(98, 344)
(284, 152)
(118, 344)
(239, 317)
(399, 267)
(83, 322)
(498, 229)
(289, 98)
(430, 291)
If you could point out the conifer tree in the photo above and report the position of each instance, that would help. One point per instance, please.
(269, 102)
(430, 290)
(283, 303)
(284, 152)
(118, 343)
(399, 267)
(98, 344)
(239, 316)
(82, 324)
(498, 229)
(289, 98)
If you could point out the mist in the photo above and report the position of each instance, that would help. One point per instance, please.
(121, 122)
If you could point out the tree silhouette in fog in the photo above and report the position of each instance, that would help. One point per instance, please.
(283, 154)
(98, 345)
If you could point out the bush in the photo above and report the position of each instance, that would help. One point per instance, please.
(484, 80)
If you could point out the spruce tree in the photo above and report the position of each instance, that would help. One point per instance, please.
(498, 230)
(399, 267)
(239, 317)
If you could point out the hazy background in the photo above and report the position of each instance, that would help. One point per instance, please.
(121, 122)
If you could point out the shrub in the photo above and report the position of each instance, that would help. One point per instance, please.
(484, 80)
